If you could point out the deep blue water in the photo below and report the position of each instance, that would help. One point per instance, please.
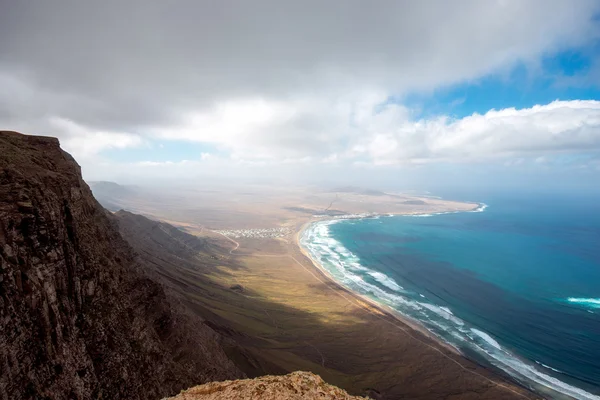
(516, 286)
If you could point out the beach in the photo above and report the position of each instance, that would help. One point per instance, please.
(401, 265)
(383, 310)
(414, 329)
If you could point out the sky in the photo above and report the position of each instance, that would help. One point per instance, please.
(400, 95)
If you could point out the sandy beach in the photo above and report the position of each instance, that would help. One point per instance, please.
(382, 309)
(409, 326)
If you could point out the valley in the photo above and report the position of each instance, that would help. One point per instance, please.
(281, 314)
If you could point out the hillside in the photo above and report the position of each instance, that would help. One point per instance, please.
(79, 317)
(108, 193)
(277, 317)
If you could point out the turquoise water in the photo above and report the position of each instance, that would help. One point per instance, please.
(516, 287)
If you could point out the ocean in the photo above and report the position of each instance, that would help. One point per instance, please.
(514, 286)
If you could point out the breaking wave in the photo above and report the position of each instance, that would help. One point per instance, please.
(480, 208)
(486, 338)
(549, 367)
(585, 302)
(346, 268)
(385, 280)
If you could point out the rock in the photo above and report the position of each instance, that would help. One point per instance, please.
(79, 319)
(237, 288)
(294, 386)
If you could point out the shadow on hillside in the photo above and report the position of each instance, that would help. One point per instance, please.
(363, 352)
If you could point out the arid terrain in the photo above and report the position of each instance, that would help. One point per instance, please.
(260, 207)
(281, 312)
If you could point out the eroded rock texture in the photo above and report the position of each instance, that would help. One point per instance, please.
(78, 318)
(295, 386)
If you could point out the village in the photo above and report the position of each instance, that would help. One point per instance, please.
(256, 233)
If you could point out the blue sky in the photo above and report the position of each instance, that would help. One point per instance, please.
(564, 75)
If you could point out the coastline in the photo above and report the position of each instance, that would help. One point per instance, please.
(409, 326)
(291, 316)
(477, 207)
(384, 310)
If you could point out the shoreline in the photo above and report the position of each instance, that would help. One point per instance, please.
(409, 326)
(477, 207)
(383, 309)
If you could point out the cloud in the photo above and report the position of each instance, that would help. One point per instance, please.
(85, 142)
(364, 129)
(558, 127)
(258, 128)
(131, 65)
(290, 83)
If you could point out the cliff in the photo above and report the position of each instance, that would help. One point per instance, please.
(78, 316)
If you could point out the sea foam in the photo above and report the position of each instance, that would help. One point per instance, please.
(385, 280)
(549, 367)
(346, 268)
(487, 338)
(586, 302)
(481, 208)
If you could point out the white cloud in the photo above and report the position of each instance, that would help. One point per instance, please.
(86, 142)
(558, 127)
(271, 129)
(288, 83)
(364, 129)
(196, 60)
(377, 137)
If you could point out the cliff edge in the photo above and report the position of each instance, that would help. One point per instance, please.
(79, 319)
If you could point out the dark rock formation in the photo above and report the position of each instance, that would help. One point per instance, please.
(78, 317)
(237, 288)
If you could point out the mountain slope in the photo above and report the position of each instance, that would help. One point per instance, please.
(107, 192)
(78, 316)
(269, 331)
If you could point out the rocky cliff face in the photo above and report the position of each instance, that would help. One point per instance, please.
(78, 317)
(295, 386)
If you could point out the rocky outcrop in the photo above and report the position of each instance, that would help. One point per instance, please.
(295, 386)
(78, 317)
